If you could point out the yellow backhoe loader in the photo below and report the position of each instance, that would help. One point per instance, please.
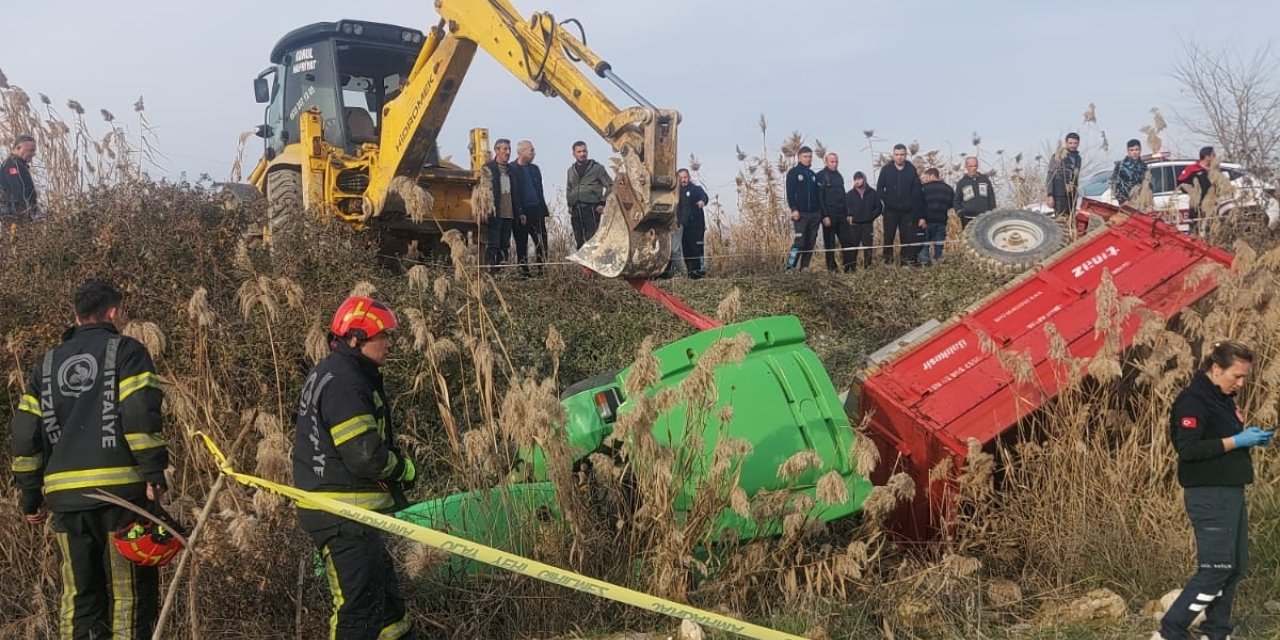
(354, 109)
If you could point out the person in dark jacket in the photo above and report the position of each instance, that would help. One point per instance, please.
(585, 190)
(975, 194)
(834, 207)
(805, 203)
(899, 189)
(1213, 446)
(938, 198)
(1129, 175)
(344, 448)
(1063, 178)
(18, 199)
(500, 218)
(530, 209)
(691, 215)
(90, 420)
(1194, 181)
(864, 207)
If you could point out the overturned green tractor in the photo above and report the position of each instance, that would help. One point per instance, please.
(783, 403)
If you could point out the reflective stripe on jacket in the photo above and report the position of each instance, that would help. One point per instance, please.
(90, 419)
(344, 443)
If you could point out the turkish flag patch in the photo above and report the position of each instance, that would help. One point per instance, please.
(13, 171)
(1189, 422)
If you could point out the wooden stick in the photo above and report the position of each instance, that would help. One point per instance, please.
(302, 576)
(170, 594)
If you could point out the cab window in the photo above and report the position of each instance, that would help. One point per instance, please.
(1164, 178)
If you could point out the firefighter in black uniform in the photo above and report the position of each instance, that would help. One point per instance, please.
(18, 201)
(1213, 445)
(345, 449)
(90, 421)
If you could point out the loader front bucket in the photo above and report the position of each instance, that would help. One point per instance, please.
(634, 237)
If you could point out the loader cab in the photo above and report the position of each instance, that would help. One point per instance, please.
(348, 69)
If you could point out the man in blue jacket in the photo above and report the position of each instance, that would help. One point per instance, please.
(804, 201)
(531, 211)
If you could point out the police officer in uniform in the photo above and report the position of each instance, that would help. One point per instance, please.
(1212, 445)
(90, 421)
(345, 449)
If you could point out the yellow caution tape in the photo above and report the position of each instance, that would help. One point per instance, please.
(499, 558)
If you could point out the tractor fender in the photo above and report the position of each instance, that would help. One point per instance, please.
(290, 158)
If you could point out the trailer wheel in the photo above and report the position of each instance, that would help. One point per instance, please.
(284, 199)
(1013, 240)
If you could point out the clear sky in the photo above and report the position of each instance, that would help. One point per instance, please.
(1020, 73)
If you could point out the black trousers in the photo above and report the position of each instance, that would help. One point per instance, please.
(362, 582)
(902, 226)
(497, 239)
(104, 596)
(860, 234)
(830, 237)
(805, 237)
(693, 246)
(534, 228)
(585, 221)
(1221, 523)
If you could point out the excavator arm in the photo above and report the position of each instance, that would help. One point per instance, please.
(633, 240)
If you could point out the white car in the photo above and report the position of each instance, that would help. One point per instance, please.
(1249, 190)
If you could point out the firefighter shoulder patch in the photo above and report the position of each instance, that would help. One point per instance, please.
(1189, 422)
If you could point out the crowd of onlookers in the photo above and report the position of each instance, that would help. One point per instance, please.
(518, 204)
(518, 208)
(913, 209)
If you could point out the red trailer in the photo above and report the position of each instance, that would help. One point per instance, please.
(928, 399)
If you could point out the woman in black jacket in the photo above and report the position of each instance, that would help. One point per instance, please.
(1212, 444)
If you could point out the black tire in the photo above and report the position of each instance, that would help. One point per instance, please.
(284, 198)
(1013, 240)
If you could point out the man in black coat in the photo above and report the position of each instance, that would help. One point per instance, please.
(1063, 179)
(500, 218)
(938, 198)
(18, 200)
(690, 213)
(975, 194)
(834, 207)
(899, 189)
(864, 207)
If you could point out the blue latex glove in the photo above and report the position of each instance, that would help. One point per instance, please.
(1252, 437)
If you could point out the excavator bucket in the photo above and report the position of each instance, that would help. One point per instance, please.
(634, 238)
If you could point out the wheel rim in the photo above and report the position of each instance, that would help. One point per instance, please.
(1016, 236)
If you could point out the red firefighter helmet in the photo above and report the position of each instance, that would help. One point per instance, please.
(366, 314)
(146, 543)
